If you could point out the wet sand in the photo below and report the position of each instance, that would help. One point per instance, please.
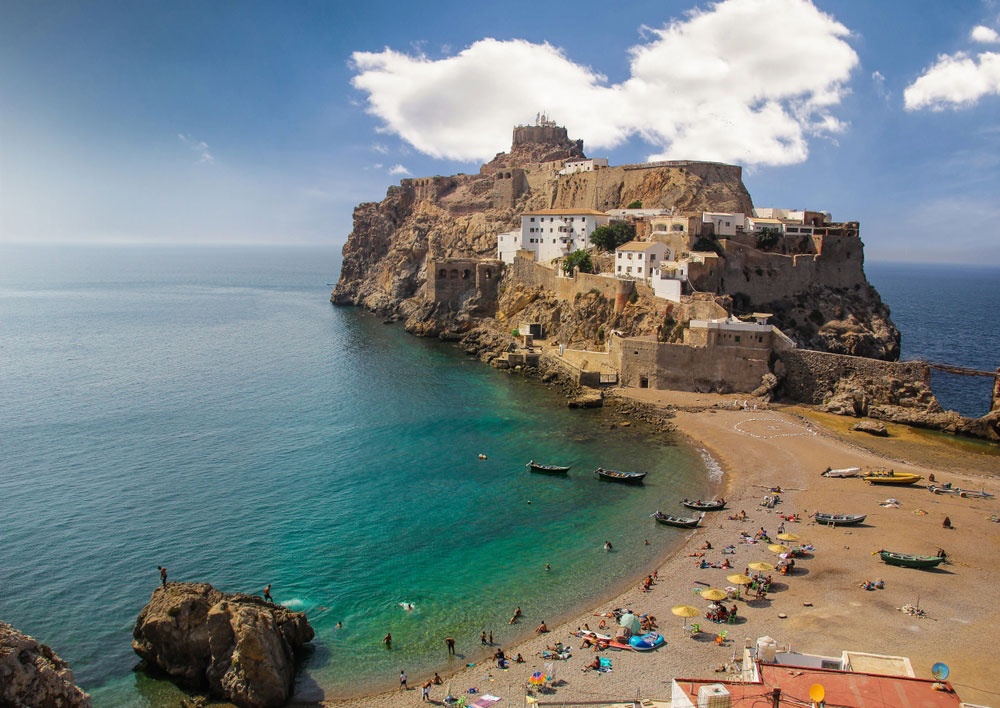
(825, 612)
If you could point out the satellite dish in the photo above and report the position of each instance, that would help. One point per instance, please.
(817, 693)
(940, 671)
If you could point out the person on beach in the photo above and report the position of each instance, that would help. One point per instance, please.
(387, 640)
(517, 613)
(482, 638)
(425, 691)
(541, 629)
(491, 639)
(402, 680)
(450, 643)
(437, 679)
(163, 575)
(267, 593)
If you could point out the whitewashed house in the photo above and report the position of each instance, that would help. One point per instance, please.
(554, 233)
(573, 166)
(636, 260)
(668, 279)
(724, 225)
(508, 244)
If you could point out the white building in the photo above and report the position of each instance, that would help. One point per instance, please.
(573, 166)
(554, 233)
(725, 225)
(636, 260)
(668, 279)
(508, 244)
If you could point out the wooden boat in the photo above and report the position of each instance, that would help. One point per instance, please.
(547, 469)
(679, 521)
(908, 561)
(618, 476)
(713, 505)
(890, 477)
(839, 519)
(842, 472)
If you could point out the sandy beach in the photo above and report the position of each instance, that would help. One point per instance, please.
(818, 609)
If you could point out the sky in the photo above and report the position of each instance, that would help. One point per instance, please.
(192, 122)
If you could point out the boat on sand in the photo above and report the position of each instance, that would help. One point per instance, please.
(839, 519)
(842, 472)
(713, 505)
(891, 477)
(907, 561)
(679, 521)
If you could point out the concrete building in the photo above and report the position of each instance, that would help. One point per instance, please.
(636, 260)
(554, 233)
(724, 225)
(580, 165)
(508, 244)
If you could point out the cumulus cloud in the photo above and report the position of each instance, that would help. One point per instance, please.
(200, 147)
(725, 83)
(984, 35)
(955, 81)
(398, 170)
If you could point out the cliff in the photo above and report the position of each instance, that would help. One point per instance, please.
(237, 647)
(31, 674)
(822, 298)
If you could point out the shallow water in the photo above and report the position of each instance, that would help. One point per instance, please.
(208, 410)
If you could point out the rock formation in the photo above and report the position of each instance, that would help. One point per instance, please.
(237, 647)
(31, 674)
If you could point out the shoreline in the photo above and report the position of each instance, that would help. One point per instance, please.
(824, 611)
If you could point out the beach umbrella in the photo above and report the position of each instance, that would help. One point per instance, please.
(787, 537)
(760, 566)
(714, 594)
(779, 548)
(739, 579)
(685, 611)
(630, 622)
(537, 679)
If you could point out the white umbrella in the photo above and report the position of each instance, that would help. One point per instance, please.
(630, 622)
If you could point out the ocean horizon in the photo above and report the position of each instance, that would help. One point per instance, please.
(207, 409)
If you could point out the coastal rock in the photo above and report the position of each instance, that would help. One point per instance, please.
(31, 674)
(871, 427)
(237, 647)
(588, 398)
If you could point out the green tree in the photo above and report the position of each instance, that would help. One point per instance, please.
(575, 259)
(637, 204)
(610, 237)
(767, 238)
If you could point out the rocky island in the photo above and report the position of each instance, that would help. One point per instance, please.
(233, 646)
(770, 302)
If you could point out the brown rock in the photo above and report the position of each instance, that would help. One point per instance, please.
(234, 646)
(31, 674)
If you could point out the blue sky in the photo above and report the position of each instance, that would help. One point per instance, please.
(261, 122)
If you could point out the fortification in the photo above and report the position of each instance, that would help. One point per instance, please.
(457, 280)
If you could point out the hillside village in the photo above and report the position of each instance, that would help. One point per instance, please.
(708, 292)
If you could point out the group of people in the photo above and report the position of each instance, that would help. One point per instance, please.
(719, 613)
(878, 584)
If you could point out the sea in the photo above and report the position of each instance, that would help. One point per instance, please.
(208, 410)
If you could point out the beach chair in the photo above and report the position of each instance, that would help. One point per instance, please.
(695, 629)
(720, 638)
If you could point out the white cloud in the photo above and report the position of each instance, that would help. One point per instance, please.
(984, 35)
(710, 87)
(878, 79)
(380, 148)
(198, 146)
(955, 81)
(398, 170)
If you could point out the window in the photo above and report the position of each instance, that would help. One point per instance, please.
(465, 274)
(532, 218)
(442, 273)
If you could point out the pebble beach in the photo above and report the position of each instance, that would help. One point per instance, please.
(819, 608)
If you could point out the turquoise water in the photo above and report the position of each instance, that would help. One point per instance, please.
(208, 410)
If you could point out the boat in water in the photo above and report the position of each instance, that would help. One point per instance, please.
(678, 521)
(619, 476)
(907, 561)
(842, 472)
(713, 505)
(547, 469)
(839, 519)
(891, 477)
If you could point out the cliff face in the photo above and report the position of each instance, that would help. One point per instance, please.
(237, 647)
(31, 674)
(824, 302)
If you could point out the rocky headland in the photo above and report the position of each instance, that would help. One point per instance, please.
(31, 674)
(236, 647)
(814, 289)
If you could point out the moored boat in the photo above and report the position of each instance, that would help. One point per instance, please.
(713, 505)
(891, 477)
(908, 561)
(619, 476)
(547, 469)
(842, 472)
(679, 521)
(839, 519)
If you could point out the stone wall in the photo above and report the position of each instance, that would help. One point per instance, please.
(528, 272)
(646, 363)
(818, 378)
(452, 280)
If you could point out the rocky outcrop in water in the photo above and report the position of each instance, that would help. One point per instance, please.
(32, 675)
(233, 646)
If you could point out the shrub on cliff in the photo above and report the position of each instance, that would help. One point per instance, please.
(579, 259)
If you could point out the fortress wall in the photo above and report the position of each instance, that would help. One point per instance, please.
(451, 280)
(685, 368)
(535, 274)
(814, 377)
